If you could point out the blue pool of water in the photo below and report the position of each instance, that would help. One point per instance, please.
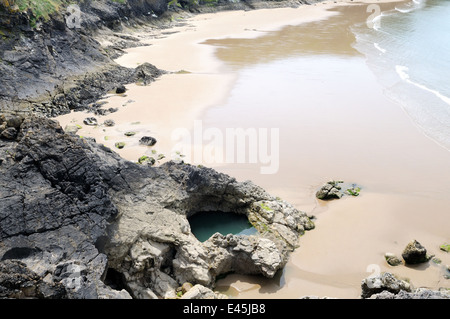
(206, 224)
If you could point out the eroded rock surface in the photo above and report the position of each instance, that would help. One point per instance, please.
(77, 214)
(330, 190)
(387, 286)
(384, 282)
(415, 253)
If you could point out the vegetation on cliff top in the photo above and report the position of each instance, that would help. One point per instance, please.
(39, 8)
(42, 8)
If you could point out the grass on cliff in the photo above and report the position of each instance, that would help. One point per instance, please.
(44, 8)
(40, 8)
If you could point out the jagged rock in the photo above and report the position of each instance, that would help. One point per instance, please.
(109, 122)
(99, 111)
(9, 133)
(9, 125)
(331, 190)
(392, 259)
(201, 292)
(11, 120)
(120, 89)
(384, 282)
(53, 206)
(73, 210)
(146, 73)
(186, 287)
(18, 281)
(92, 121)
(146, 160)
(120, 145)
(419, 294)
(71, 128)
(147, 140)
(415, 253)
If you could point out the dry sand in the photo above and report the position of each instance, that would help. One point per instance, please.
(406, 175)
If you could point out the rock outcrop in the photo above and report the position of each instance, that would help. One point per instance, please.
(51, 66)
(18, 281)
(80, 218)
(415, 253)
(387, 286)
(330, 190)
(383, 282)
(420, 293)
(392, 259)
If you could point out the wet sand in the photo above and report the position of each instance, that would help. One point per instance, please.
(343, 128)
(196, 81)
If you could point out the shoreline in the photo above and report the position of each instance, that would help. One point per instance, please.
(161, 93)
(195, 68)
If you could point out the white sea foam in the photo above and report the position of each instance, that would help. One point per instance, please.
(376, 22)
(402, 71)
(404, 10)
(411, 6)
(403, 55)
(377, 46)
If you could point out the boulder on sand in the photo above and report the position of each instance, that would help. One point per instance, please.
(331, 190)
(415, 253)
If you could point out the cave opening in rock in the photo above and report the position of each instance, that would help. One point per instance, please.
(115, 279)
(206, 224)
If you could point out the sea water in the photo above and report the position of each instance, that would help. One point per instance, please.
(206, 224)
(324, 84)
(409, 51)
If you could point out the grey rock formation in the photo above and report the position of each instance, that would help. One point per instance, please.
(147, 140)
(156, 216)
(387, 286)
(392, 259)
(50, 67)
(330, 190)
(17, 281)
(201, 292)
(77, 214)
(92, 121)
(415, 253)
(384, 282)
(420, 293)
(121, 89)
(54, 207)
(109, 122)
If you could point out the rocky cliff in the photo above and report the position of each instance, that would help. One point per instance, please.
(51, 61)
(51, 66)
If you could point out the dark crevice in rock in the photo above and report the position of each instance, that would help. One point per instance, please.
(115, 279)
(20, 253)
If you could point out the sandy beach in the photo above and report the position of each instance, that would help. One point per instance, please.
(404, 175)
(200, 79)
